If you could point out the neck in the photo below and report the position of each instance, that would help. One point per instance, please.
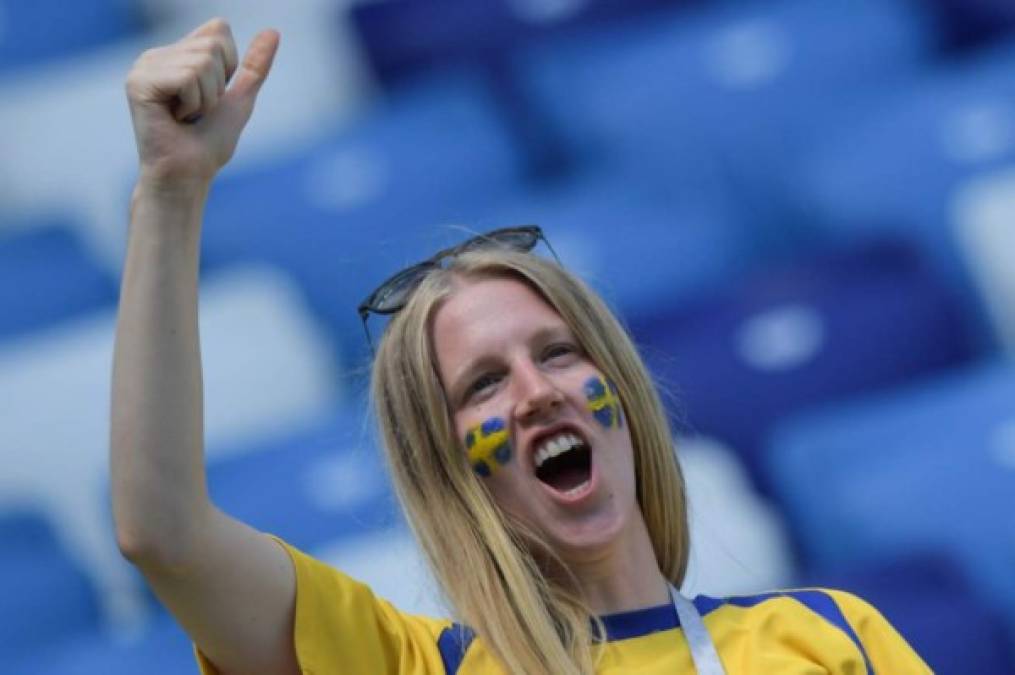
(623, 578)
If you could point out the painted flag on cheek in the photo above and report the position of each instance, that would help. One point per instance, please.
(488, 446)
(604, 401)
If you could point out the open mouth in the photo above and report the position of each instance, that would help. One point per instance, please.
(564, 462)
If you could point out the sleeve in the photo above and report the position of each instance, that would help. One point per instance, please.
(885, 649)
(342, 627)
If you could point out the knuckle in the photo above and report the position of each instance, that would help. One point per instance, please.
(202, 64)
(206, 43)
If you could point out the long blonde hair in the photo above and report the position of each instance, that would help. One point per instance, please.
(487, 564)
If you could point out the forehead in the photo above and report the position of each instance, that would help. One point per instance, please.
(488, 312)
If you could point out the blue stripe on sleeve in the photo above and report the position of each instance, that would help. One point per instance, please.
(821, 604)
(452, 644)
(824, 605)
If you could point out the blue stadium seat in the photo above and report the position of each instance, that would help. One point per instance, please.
(46, 275)
(45, 596)
(926, 598)
(404, 37)
(44, 30)
(925, 468)
(967, 23)
(163, 649)
(832, 326)
(745, 86)
(401, 37)
(899, 170)
(641, 248)
(317, 486)
(342, 216)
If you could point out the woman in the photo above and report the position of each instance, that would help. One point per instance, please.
(528, 447)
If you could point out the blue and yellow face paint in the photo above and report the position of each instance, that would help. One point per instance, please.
(604, 401)
(488, 446)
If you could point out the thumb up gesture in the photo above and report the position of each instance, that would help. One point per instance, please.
(190, 100)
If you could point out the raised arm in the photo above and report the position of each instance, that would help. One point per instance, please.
(230, 587)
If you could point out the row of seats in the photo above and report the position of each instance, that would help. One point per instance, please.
(401, 33)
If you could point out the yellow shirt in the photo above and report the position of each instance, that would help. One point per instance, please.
(342, 628)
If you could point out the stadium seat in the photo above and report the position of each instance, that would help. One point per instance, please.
(47, 276)
(743, 86)
(971, 23)
(642, 249)
(44, 30)
(984, 210)
(792, 337)
(267, 370)
(925, 468)
(927, 599)
(901, 167)
(359, 205)
(46, 596)
(739, 542)
(313, 486)
(163, 649)
(403, 37)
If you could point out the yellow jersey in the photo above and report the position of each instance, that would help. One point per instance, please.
(341, 627)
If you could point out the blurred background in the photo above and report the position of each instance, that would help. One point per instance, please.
(804, 210)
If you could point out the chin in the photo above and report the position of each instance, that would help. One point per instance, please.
(588, 538)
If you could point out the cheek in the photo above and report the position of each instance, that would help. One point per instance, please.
(603, 401)
(488, 446)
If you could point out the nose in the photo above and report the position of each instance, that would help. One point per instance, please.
(538, 397)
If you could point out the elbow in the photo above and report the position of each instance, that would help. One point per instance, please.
(134, 547)
(166, 551)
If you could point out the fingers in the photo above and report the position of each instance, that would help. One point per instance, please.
(256, 64)
(219, 35)
(189, 78)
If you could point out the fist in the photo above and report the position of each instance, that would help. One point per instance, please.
(190, 100)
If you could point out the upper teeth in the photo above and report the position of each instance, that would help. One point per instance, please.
(556, 445)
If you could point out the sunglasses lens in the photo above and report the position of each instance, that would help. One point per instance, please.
(519, 239)
(393, 293)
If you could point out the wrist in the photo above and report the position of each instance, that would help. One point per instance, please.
(180, 192)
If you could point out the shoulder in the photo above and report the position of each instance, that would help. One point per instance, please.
(838, 626)
(338, 616)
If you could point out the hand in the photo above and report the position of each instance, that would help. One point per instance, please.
(186, 120)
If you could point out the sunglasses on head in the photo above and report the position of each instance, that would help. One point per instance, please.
(392, 295)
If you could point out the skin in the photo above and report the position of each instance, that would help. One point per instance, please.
(503, 352)
(230, 587)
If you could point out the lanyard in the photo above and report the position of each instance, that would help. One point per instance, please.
(706, 660)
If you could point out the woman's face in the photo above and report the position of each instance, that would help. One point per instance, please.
(538, 422)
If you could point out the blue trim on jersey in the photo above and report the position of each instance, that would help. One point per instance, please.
(624, 625)
(452, 643)
(455, 639)
(824, 605)
(818, 602)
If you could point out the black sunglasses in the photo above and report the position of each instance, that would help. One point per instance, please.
(392, 295)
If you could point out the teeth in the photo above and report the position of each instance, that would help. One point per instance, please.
(555, 446)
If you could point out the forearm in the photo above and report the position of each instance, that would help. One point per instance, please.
(156, 442)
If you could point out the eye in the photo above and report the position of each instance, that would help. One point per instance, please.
(481, 384)
(560, 351)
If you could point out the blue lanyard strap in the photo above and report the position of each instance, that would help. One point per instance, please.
(706, 659)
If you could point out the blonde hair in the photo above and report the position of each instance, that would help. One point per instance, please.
(487, 564)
